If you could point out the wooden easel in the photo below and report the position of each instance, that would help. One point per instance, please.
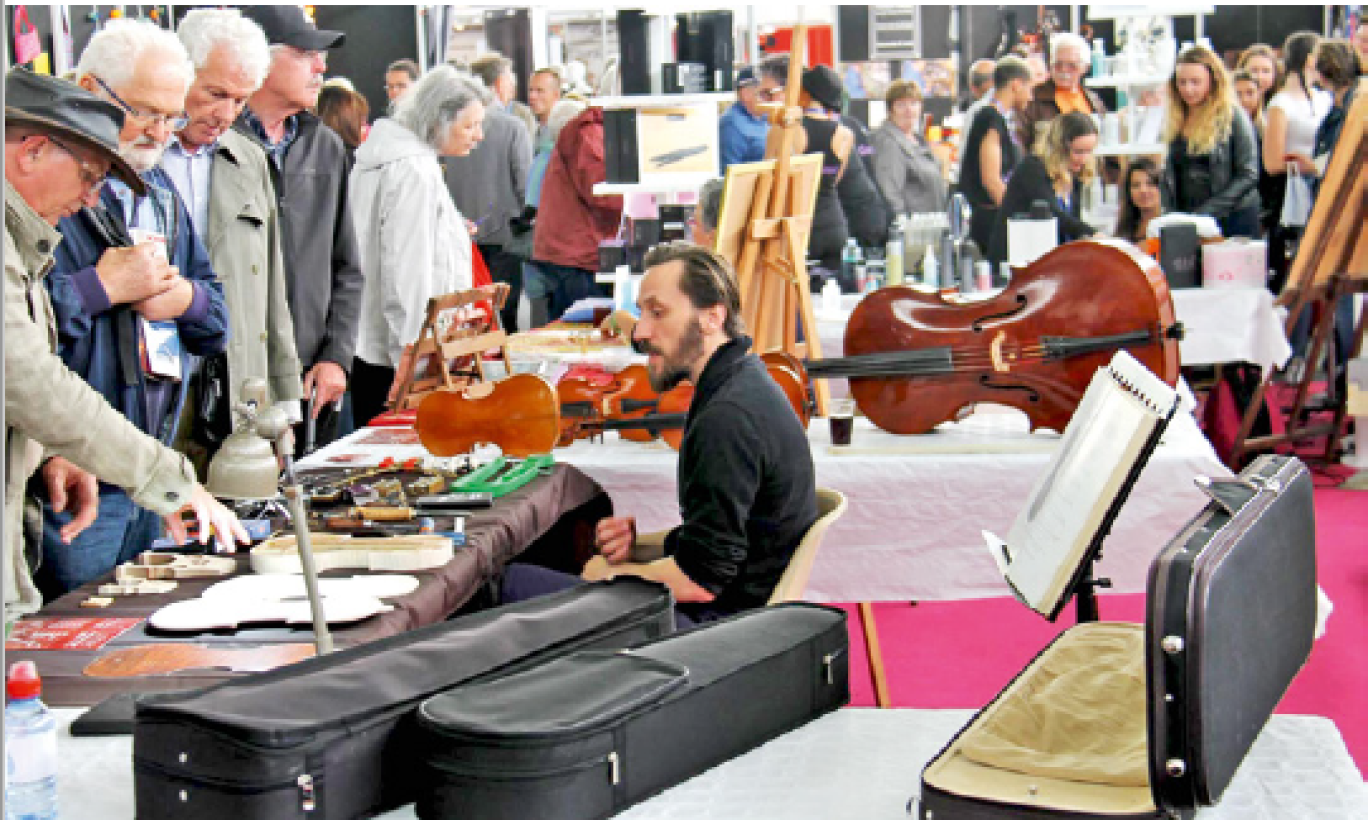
(1331, 263)
(458, 329)
(771, 260)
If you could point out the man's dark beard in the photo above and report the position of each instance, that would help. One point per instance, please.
(673, 371)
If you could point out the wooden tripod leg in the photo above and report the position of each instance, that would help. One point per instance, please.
(876, 664)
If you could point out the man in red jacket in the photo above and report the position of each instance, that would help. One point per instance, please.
(571, 221)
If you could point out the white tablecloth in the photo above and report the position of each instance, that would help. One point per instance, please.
(856, 763)
(918, 504)
(1237, 325)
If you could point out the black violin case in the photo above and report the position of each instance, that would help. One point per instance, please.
(590, 734)
(332, 737)
(1151, 720)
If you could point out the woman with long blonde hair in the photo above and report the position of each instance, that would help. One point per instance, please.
(1213, 158)
(1055, 174)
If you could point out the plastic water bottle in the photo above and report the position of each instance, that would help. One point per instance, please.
(893, 254)
(851, 257)
(930, 272)
(30, 748)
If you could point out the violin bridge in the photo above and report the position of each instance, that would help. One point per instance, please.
(1000, 364)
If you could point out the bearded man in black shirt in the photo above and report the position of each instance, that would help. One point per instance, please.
(746, 480)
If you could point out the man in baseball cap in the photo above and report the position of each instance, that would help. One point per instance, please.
(322, 263)
(60, 144)
(744, 127)
(288, 25)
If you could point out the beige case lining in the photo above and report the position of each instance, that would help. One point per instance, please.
(1069, 733)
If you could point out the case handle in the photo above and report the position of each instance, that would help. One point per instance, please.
(1233, 493)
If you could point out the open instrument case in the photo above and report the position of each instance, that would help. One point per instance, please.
(1130, 720)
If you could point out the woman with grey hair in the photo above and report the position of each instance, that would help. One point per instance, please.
(414, 243)
(703, 223)
(535, 284)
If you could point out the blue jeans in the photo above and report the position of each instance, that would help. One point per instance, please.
(565, 286)
(523, 582)
(122, 530)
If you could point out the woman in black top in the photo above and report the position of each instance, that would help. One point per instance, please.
(822, 134)
(1055, 173)
(991, 150)
(1213, 156)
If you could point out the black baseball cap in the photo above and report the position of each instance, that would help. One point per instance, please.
(68, 111)
(288, 25)
(746, 77)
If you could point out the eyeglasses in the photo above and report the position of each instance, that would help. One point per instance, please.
(93, 180)
(173, 121)
(1060, 65)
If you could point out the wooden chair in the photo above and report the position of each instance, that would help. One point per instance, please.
(449, 352)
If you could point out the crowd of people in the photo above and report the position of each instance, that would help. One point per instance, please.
(193, 209)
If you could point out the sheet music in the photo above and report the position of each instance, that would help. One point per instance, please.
(1119, 412)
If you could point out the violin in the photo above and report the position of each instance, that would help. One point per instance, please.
(638, 413)
(915, 360)
(520, 414)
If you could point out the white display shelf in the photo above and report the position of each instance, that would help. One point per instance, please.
(665, 184)
(1131, 149)
(1125, 81)
(656, 100)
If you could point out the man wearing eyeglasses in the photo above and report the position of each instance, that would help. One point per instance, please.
(1064, 91)
(134, 293)
(318, 241)
(60, 143)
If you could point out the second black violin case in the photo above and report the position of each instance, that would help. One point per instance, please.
(590, 734)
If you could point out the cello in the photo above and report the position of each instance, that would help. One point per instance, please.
(915, 359)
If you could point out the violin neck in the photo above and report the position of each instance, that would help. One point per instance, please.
(655, 421)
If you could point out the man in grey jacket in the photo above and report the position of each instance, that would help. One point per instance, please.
(60, 143)
(489, 185)
(224, 177)
(310, 169)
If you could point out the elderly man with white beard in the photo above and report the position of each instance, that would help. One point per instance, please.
(133, 292)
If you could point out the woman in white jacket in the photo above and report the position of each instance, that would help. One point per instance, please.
(414, 243)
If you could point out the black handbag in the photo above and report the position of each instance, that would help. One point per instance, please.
(213, 420)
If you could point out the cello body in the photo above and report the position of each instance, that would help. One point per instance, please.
(915, 360)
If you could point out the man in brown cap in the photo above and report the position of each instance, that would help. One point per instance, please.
(60, 144)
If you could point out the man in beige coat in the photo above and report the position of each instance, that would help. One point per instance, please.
(225, 180)
(60, 143)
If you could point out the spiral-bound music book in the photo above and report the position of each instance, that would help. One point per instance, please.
(1104, 447)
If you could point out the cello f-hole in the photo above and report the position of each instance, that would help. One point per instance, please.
(986, 380)
(978, 323)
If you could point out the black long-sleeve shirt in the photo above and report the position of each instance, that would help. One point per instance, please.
(1030, 182)
(747, 491)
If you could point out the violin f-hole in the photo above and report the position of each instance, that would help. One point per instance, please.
(1032, 395)
(978, 323)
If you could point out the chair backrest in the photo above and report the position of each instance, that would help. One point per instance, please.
(831, 505)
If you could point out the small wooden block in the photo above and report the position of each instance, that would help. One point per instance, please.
(97, 602)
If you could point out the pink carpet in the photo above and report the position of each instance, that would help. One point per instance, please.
(958, 654)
